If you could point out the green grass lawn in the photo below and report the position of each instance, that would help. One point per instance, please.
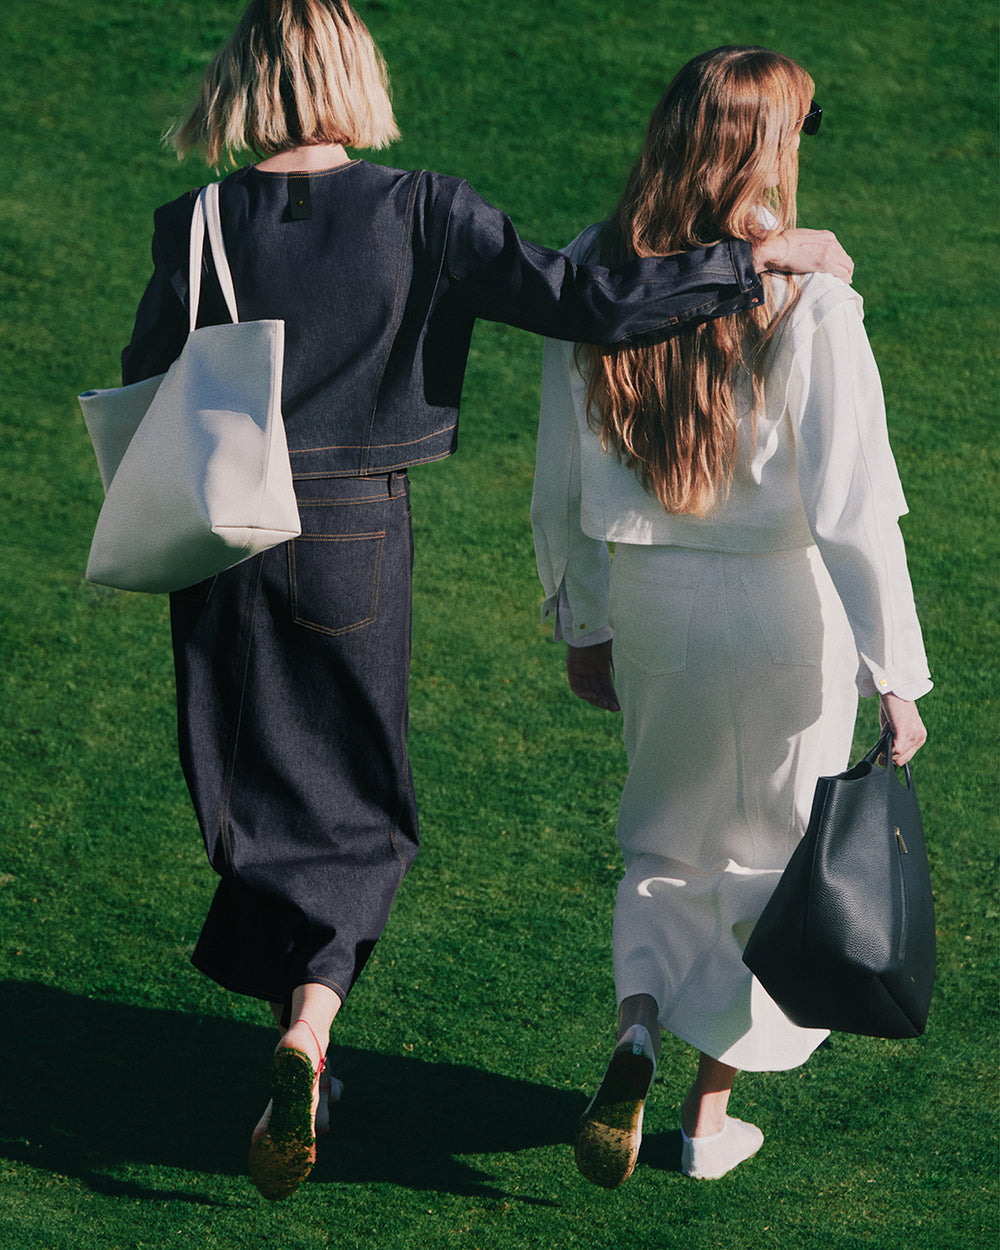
(129, 1083)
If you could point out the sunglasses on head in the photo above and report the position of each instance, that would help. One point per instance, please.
(812, 119)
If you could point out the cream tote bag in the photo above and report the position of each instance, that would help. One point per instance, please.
(194, 462)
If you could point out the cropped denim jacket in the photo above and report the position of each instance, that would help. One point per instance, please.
(379, 275)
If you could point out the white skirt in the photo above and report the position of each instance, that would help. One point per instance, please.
(736, 676)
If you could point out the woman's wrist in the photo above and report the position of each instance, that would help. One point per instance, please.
(771, 253)
(798, 250)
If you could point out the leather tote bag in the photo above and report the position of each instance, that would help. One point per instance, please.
(194, 462)
(846, 941)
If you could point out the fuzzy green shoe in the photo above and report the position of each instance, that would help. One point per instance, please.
(283, 1156)
(610, 1131)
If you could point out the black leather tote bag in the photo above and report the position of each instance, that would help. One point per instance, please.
(846, 941)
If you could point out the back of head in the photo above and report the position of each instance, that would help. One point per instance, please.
(293, 72)
(720, 160)
(718, 149)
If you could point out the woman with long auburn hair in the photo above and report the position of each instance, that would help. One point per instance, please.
(292, 668)
(742, 470)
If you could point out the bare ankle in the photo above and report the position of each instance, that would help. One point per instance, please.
(703, 1112)
(640, 1009)
(703, 1115)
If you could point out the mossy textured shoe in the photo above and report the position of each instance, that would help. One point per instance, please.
(283, 1156)
(610, 1131)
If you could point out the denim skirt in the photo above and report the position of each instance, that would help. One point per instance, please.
(292, 674)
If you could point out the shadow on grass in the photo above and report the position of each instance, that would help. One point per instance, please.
(661, 1151)
(88, 1086)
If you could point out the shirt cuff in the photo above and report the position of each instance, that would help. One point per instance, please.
(566, 629)
(912, 690)
(870, 683)
(591, 637)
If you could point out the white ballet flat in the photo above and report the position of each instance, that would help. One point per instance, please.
(708, 1158)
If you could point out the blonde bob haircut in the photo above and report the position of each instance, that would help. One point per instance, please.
(294, 72)
(720, 160)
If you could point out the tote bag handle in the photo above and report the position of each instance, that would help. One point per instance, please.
(884, 748)
(206, 209)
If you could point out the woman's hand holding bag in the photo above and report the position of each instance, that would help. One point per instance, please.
(846, 941)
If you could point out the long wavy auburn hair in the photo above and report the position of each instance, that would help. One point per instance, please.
(719, 151)
(292, 72)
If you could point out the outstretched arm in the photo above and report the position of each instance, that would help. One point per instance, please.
(497, 275)
(804, 251)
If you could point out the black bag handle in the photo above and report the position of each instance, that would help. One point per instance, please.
(884, 747)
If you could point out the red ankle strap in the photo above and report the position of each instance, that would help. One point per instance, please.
(320, 1049)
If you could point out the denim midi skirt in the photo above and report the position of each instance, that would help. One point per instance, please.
(292, 674)
(736, 676)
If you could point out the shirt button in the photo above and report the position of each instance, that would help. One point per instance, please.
(883, 682)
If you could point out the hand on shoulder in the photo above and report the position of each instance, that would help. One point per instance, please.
(804, 251)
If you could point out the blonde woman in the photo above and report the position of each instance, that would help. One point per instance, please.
(292, 668)
(742, 470)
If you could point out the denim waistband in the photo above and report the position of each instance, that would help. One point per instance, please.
(351, 489)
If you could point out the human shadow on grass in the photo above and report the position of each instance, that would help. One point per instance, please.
(88, 1086)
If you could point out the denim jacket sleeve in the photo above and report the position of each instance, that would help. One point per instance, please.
(161, 324)
(501, 278)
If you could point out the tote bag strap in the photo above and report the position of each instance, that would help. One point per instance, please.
(206, 210)
(884, 748)
(194, 261)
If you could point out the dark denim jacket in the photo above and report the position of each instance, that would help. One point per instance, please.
(379, 275)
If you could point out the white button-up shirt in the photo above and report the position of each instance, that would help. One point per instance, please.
(820, 470)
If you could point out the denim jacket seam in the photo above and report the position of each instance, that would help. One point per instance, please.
(410, 442)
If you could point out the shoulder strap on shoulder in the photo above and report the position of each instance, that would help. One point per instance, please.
(206, 212)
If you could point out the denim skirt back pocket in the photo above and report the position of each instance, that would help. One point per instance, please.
(334, 566)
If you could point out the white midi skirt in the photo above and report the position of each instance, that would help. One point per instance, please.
(736, 676)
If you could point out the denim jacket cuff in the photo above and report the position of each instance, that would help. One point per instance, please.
(747, 277)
